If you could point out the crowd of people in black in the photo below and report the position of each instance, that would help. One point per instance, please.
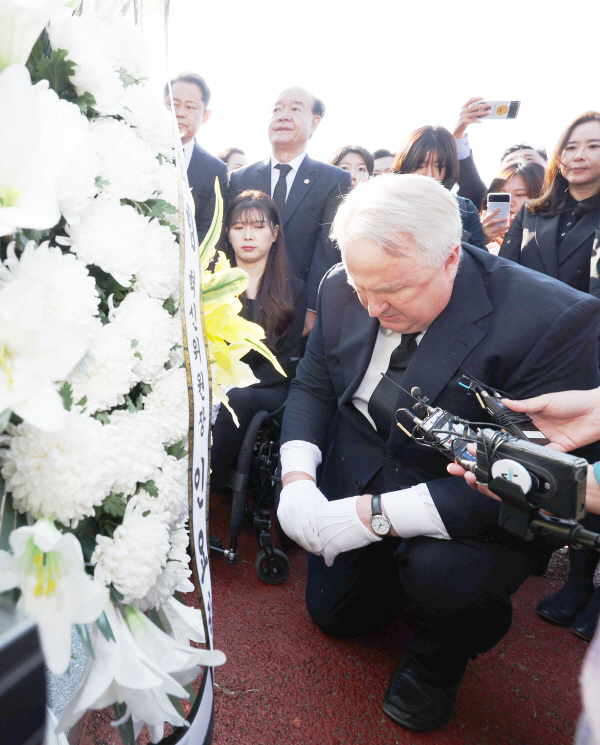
(278, 228)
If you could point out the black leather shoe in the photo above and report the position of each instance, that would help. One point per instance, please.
(585, 622)
(565, 605)
(415, 704)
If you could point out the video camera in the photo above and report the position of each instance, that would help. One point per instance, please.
(529, 478)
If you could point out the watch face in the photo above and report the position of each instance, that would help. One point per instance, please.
(380, 524)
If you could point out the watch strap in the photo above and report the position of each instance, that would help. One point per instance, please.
(376, 508)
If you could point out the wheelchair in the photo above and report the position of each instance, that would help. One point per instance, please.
(258, 471)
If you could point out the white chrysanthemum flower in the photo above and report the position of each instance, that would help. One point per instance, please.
(159, 273)
(42, 147)
(176, 358)
(174, 576)
(141, 666)
(170, 400)
(88, 43)
(105, 374)
(77, 185)
(148, 323)
(62, 475)
(127, 163)
(56, 592)
(150, 117)
(171, 478)
(168, 189)
(111, 236)
(134, 557)
(60, 285)
(135, 438)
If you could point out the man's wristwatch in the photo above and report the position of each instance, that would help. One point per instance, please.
(379, 522)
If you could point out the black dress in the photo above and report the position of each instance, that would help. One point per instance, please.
(269, 393)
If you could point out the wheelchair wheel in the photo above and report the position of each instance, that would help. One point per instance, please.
(274, 570)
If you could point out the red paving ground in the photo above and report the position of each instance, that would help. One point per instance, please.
(286, 682)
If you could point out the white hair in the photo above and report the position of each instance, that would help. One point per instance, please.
(392, 206)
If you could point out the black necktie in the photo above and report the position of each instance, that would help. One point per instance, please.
(280, 191)
(383, 398)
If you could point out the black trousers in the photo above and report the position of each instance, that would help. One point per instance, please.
(460, 588)
(227, 438)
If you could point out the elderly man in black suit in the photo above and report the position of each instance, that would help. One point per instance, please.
(387, 527)
(191, 97)
(306, 191)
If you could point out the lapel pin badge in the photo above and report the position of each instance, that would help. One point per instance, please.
(307, 181)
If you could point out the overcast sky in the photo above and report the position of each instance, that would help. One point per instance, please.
(385, 67)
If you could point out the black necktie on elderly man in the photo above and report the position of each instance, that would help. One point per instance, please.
(280, 191)
(383, 398)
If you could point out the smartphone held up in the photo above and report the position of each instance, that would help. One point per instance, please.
(501, 110)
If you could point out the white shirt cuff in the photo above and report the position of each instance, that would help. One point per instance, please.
(412, 512)
(299, 455)
(463, 147)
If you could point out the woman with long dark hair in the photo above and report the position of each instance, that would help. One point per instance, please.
(275, 298)
(355, 159)
(523, 180)
(554, 233)
(431, 151)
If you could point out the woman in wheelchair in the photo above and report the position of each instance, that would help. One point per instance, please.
(276, 299)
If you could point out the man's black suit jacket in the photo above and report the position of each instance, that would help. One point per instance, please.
(511, 328)
(202, 172)
(531, 242)
(307, 216)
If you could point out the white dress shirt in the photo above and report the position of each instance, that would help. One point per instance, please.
(276, 173)
(463, 147)
(188, 149)
(411, 511)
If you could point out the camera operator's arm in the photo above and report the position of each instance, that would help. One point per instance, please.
(570, 419)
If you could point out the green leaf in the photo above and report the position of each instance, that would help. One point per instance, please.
(104, 627)
(224, 285)
(102, 416)
(115, 595)
(86, 641)
(209, 244)
(146, 513)
(85, 102)
(5, 419)
(146, 389)
(177, 451)
(114, 505)
(134, 342)
(127, 79)
(66, 393)
(56, 69)
(101, 182)
(82, 402)
(170, 307)
(130, 404)
(8, 517)
(177, 704)
(126, 729)
(150, 487)
(138, 355)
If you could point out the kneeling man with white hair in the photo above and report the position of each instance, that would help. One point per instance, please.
(385, 525)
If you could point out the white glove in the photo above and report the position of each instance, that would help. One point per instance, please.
(341, 529)
(297, 513)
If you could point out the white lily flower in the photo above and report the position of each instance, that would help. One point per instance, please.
(187, 624)
(37, 150)
(21, 22)
(141, 667)
(47, 566)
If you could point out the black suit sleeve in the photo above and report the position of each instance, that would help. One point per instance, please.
(326, 253)
(312, 401)
(464, 511)
(472, 229)
(511, 245)
(470, 184)
(232, 190)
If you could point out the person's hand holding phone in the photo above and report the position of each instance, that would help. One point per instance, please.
(469, 114)
(494, 224)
